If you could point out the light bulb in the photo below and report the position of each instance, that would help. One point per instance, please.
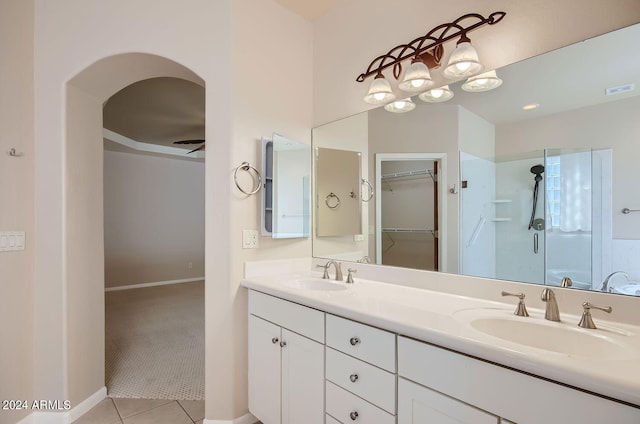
(380, 96)
(400, 104)
(418, 83)
(463, 66)
(437, 92)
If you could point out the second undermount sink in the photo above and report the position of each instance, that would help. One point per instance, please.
(317, 284)
(562, 338)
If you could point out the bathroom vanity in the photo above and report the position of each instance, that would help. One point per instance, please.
(322, 351)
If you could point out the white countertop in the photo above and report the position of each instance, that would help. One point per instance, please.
(442, 319)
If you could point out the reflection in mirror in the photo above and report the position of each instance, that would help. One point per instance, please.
(338, 202)
(287, 188)
(578, 147)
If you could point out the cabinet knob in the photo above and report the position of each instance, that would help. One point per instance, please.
(353, 377)
(274, 340)
(353, 415)
(283, 343)
(354, 341)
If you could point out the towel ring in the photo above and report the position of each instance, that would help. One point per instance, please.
(365, 181)
(329, 197)
(246, 166)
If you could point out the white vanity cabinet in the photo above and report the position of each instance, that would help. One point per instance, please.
(436, 382)
(286, 361)
(360, 372)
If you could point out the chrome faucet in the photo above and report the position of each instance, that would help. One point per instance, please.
(326, 270)
(605, 285)
(551, 313)
(521, 309)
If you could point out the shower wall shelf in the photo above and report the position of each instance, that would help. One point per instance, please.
(502, 201)
(500, 219)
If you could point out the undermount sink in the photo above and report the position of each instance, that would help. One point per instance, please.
(317, 284)
(562, 338)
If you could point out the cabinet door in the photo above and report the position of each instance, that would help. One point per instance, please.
(264, 370)
(419, 405)
(302, 380)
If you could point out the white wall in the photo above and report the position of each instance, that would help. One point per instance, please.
(153, 218)
(352, 34)
(16, 212)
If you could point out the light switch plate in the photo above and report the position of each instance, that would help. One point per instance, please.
(249, 239)
(12, 240)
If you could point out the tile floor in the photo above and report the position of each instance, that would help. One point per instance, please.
(144, 411)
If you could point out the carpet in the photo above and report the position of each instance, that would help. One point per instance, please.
(154, 342)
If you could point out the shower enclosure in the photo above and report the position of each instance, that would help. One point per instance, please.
(537, 217)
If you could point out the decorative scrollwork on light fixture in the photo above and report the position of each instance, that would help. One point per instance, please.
(426, 52)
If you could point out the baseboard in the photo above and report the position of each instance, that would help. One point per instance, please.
(87, 404)
(66, 417)
(157, 283)
(245, 419)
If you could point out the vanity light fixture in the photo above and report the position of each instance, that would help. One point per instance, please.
(482, 82)
(379, 91)
(417, 77)
(427, 51)
(400, 106)
(436, 95)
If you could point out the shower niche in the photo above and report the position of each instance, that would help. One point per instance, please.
(537, 217)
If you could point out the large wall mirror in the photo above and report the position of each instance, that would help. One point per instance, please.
(480, 186)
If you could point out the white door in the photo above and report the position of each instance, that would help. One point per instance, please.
(264, 370)
(420, 405)
(302, 380)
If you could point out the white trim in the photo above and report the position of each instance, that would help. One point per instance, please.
(245, 419)
(29, 419)
(147, 147)
(157, 283)
(87, 404)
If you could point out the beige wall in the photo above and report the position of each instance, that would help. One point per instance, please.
(348, 37)
(582, 128)
(154, 218)
(16, 212)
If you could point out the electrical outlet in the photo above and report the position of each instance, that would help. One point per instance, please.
(190, 265)
(249, 239)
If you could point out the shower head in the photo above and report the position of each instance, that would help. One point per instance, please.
(537, 169)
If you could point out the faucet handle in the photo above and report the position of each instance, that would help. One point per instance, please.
(325, 275)
(586, 321)
(521, 309)
(351, 271)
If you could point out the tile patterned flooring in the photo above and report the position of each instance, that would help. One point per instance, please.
(144, 411)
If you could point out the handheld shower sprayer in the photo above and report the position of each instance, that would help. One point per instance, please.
(537, 170)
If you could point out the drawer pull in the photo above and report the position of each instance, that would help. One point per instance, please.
(353, 377)
(274, 340)
(354, 341)
(353, 415)
(283, 343)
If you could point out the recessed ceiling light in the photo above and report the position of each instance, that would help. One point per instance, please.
(531, 106)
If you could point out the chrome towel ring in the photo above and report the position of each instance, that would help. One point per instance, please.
(370, 196)
(332, 201)
(246, 166)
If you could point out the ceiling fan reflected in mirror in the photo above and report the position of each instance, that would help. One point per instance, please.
(197, 149)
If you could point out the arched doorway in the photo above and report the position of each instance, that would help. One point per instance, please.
(83, 229)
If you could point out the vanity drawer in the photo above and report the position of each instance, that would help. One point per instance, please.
(378, 347)
(297, 318)
(369, 382)
(347, 407)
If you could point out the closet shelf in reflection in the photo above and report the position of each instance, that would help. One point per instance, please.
(407, 230)
(418, 172)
